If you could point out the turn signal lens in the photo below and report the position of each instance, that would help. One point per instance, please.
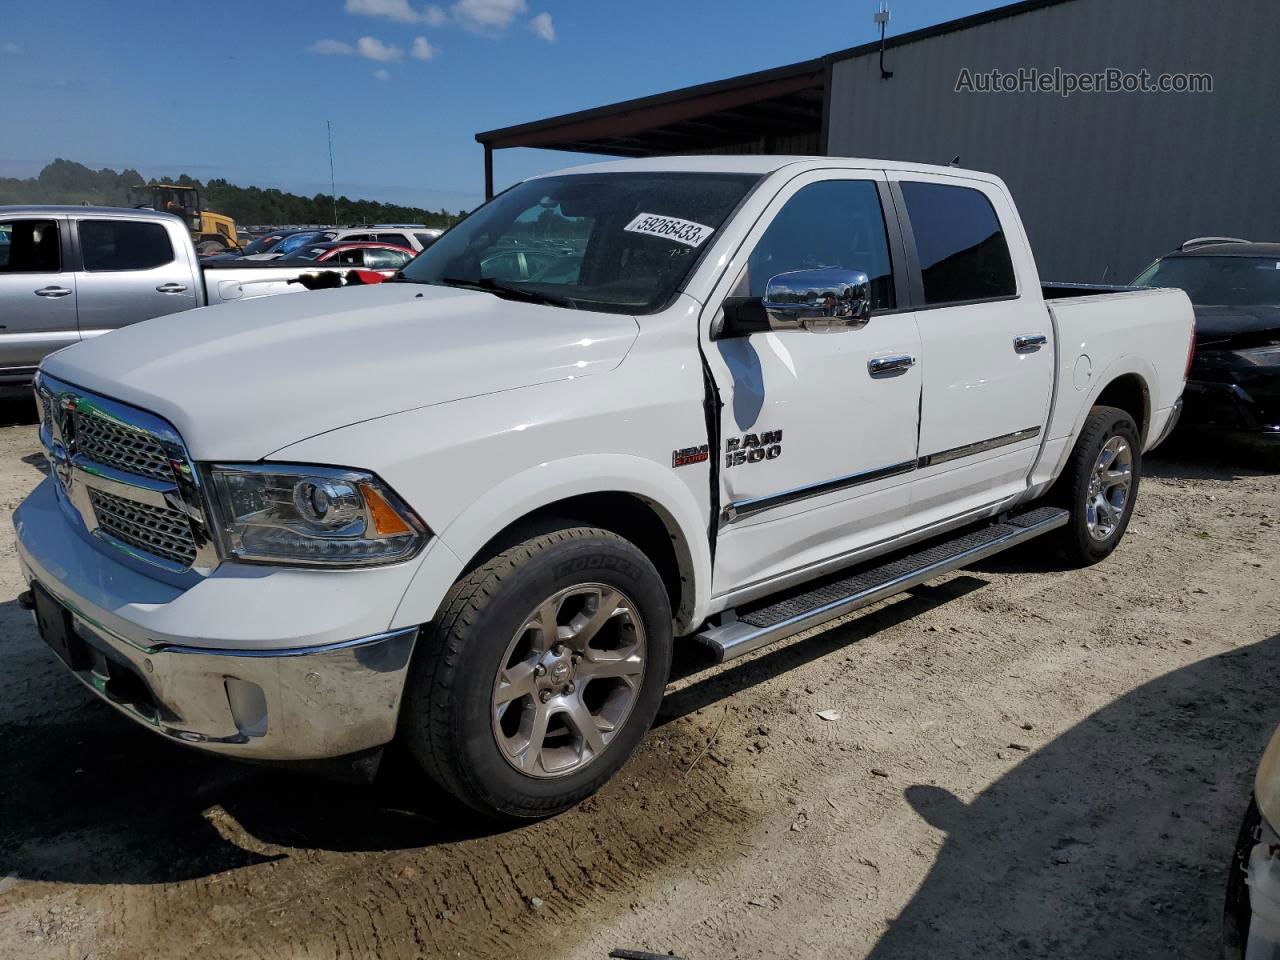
(386, 521)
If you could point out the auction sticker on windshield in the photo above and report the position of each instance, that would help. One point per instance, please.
(670, 228)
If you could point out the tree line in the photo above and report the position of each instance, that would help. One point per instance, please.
(65, 181)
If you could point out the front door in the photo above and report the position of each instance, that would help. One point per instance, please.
(817, 450)
(37, 293)
(129, 272)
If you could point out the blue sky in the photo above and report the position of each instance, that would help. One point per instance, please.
(242, 89)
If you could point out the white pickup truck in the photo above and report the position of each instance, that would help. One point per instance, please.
(71, 273)
(474, 508)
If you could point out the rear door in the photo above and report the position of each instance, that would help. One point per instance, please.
(986, 340)
(37, 293)
(130, 270)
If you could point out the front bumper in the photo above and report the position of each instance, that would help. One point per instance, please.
(292, 692)
(1234, 409)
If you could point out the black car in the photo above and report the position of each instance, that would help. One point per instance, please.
(1234, 285)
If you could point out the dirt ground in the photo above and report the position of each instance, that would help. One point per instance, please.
(1027, 762)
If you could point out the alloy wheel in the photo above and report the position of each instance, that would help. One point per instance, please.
(568, 680)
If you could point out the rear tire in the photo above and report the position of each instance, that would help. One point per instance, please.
(1099, 486)
(540, 675)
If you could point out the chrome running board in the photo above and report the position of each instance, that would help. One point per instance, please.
(755, 627)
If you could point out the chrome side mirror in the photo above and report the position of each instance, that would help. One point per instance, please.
(819, 300)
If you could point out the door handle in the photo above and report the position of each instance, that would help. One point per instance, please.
(171, 288)
(1029, 343)
(53, 292)
(879, 365)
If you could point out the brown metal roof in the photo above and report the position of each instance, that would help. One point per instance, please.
(783, 102)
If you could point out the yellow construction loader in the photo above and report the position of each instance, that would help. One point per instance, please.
(212, 233)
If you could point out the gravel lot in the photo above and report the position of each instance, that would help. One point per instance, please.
(1027, 762)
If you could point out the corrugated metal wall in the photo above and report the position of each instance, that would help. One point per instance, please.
(1105, 182)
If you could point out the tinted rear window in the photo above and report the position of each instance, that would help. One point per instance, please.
(124, 245)
(962, 249)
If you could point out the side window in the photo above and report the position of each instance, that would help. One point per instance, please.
(835, 223)
(30, 246)
(399, 239)
(124, 245)
(961, 246)
(385, 259)
(354, 257)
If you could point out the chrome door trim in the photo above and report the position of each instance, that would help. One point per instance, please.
(982, 446)
(745, 508)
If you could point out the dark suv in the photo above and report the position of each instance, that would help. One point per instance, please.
(1234, 285)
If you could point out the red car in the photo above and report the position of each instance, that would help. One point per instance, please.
(384, 258)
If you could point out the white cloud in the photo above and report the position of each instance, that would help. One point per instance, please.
(397, 10)
(484, 16)
(371, 48)
(433, 16)
(332, 46)
(543, 27)
(422, 49)
(10, 48)
(381, 74)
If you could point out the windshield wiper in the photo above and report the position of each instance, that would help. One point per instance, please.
(508, 292)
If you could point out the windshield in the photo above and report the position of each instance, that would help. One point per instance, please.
(1219, 281)
(261, 245)
(615, 242)
(293, 242)
(308, 253)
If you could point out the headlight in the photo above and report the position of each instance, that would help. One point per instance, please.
(311, 515)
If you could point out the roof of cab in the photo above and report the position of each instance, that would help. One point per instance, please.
(65, 210)
(762, 164)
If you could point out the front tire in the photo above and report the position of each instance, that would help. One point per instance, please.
(541, 674)
(1099, 486)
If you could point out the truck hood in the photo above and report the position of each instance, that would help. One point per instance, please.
(242, 380)
(1224, 325)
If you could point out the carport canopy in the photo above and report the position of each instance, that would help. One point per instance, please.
(711, 117)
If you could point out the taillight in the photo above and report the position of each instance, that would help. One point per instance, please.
(1191, 355)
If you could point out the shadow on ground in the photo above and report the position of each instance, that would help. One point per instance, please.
(94, 799)
(1111, 841)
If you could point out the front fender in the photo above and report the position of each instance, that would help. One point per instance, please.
(537, 487)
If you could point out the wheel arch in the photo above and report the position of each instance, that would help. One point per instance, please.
(630, 496)
(1130, 393)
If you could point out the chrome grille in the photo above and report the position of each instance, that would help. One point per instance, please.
(121, 446)
(125, 473)
(165, 533)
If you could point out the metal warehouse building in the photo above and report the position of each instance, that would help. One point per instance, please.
(1105, 181)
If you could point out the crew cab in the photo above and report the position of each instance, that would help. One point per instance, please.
(475, 511)
(71, 273)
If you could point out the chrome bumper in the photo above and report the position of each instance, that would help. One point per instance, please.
(292, 704)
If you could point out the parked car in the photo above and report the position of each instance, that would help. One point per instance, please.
(1252, 914)
(474, 510)
(287, 244)
(1234, 285)
(71, 273)
(415, 240)
(384, 257)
